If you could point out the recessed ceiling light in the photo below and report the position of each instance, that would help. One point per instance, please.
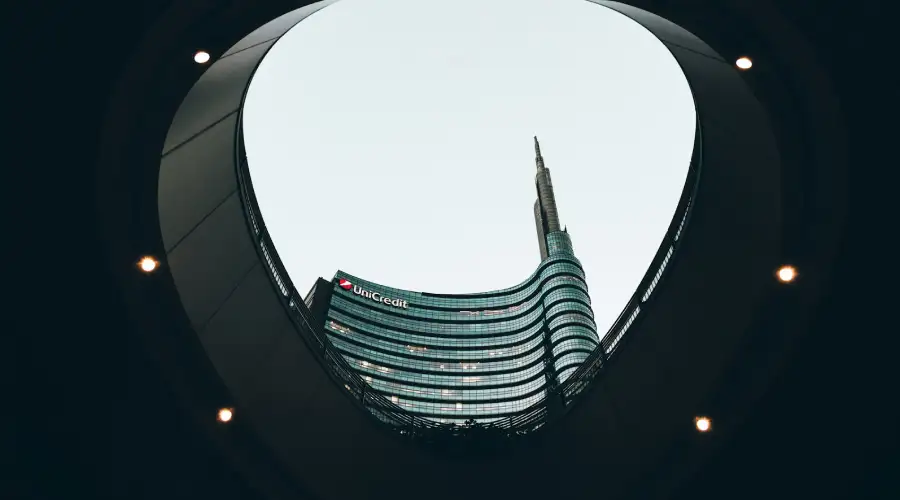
(744, 63)
(201, 57)
(704, 424)
(148, 264)
(786, 274)
(225, 415)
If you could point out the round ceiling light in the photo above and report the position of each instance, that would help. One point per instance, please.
(201, 57)
(786, 274)
(225, 415)
(703, 424)
(148, 264)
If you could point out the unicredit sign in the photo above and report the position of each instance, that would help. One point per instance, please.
(377, 297)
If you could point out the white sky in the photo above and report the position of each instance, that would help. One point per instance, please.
(392, 139)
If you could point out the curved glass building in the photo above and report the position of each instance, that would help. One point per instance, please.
(482, 356)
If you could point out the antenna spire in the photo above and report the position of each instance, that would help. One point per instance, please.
(539, 160)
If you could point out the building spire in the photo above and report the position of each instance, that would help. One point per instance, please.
(538, 159)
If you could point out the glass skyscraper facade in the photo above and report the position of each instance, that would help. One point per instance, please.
(482, 356)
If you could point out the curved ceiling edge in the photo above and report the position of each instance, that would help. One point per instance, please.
(634, 438)
(131, 182)
(815, 146)
(723, 153)
(736, 218)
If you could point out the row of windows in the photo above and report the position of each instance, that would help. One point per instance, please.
(423, 325)
(413, 346)
(659, 272)
(521, 357)
(558, 294)
(566, 319)
(350, 325)
(544, 265)
(559, 242)
(447, 374)
(566, 373)
(510, 308)
(573, 355)
(577, 343)
(567, 306)
(451, 394)
(621, 332)
(418, 331)
(461, 373)
(373, 371)
(439, 354)
(461, 410)
(485, 360)
(569, 360)
(512, 358)
(501, 298)
(573, 331)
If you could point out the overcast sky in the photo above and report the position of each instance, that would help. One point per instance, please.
(392, 139)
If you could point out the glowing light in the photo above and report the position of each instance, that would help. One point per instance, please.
(703, 424)
(744, 63)
(786, 274)
(201, 57)
(225, 415)
(148, 264)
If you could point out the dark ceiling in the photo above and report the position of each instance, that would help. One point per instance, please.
(98, 420)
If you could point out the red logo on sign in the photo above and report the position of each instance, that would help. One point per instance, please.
(346, 285)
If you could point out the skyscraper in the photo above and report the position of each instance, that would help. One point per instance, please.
(454, 357)
(546, 217)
